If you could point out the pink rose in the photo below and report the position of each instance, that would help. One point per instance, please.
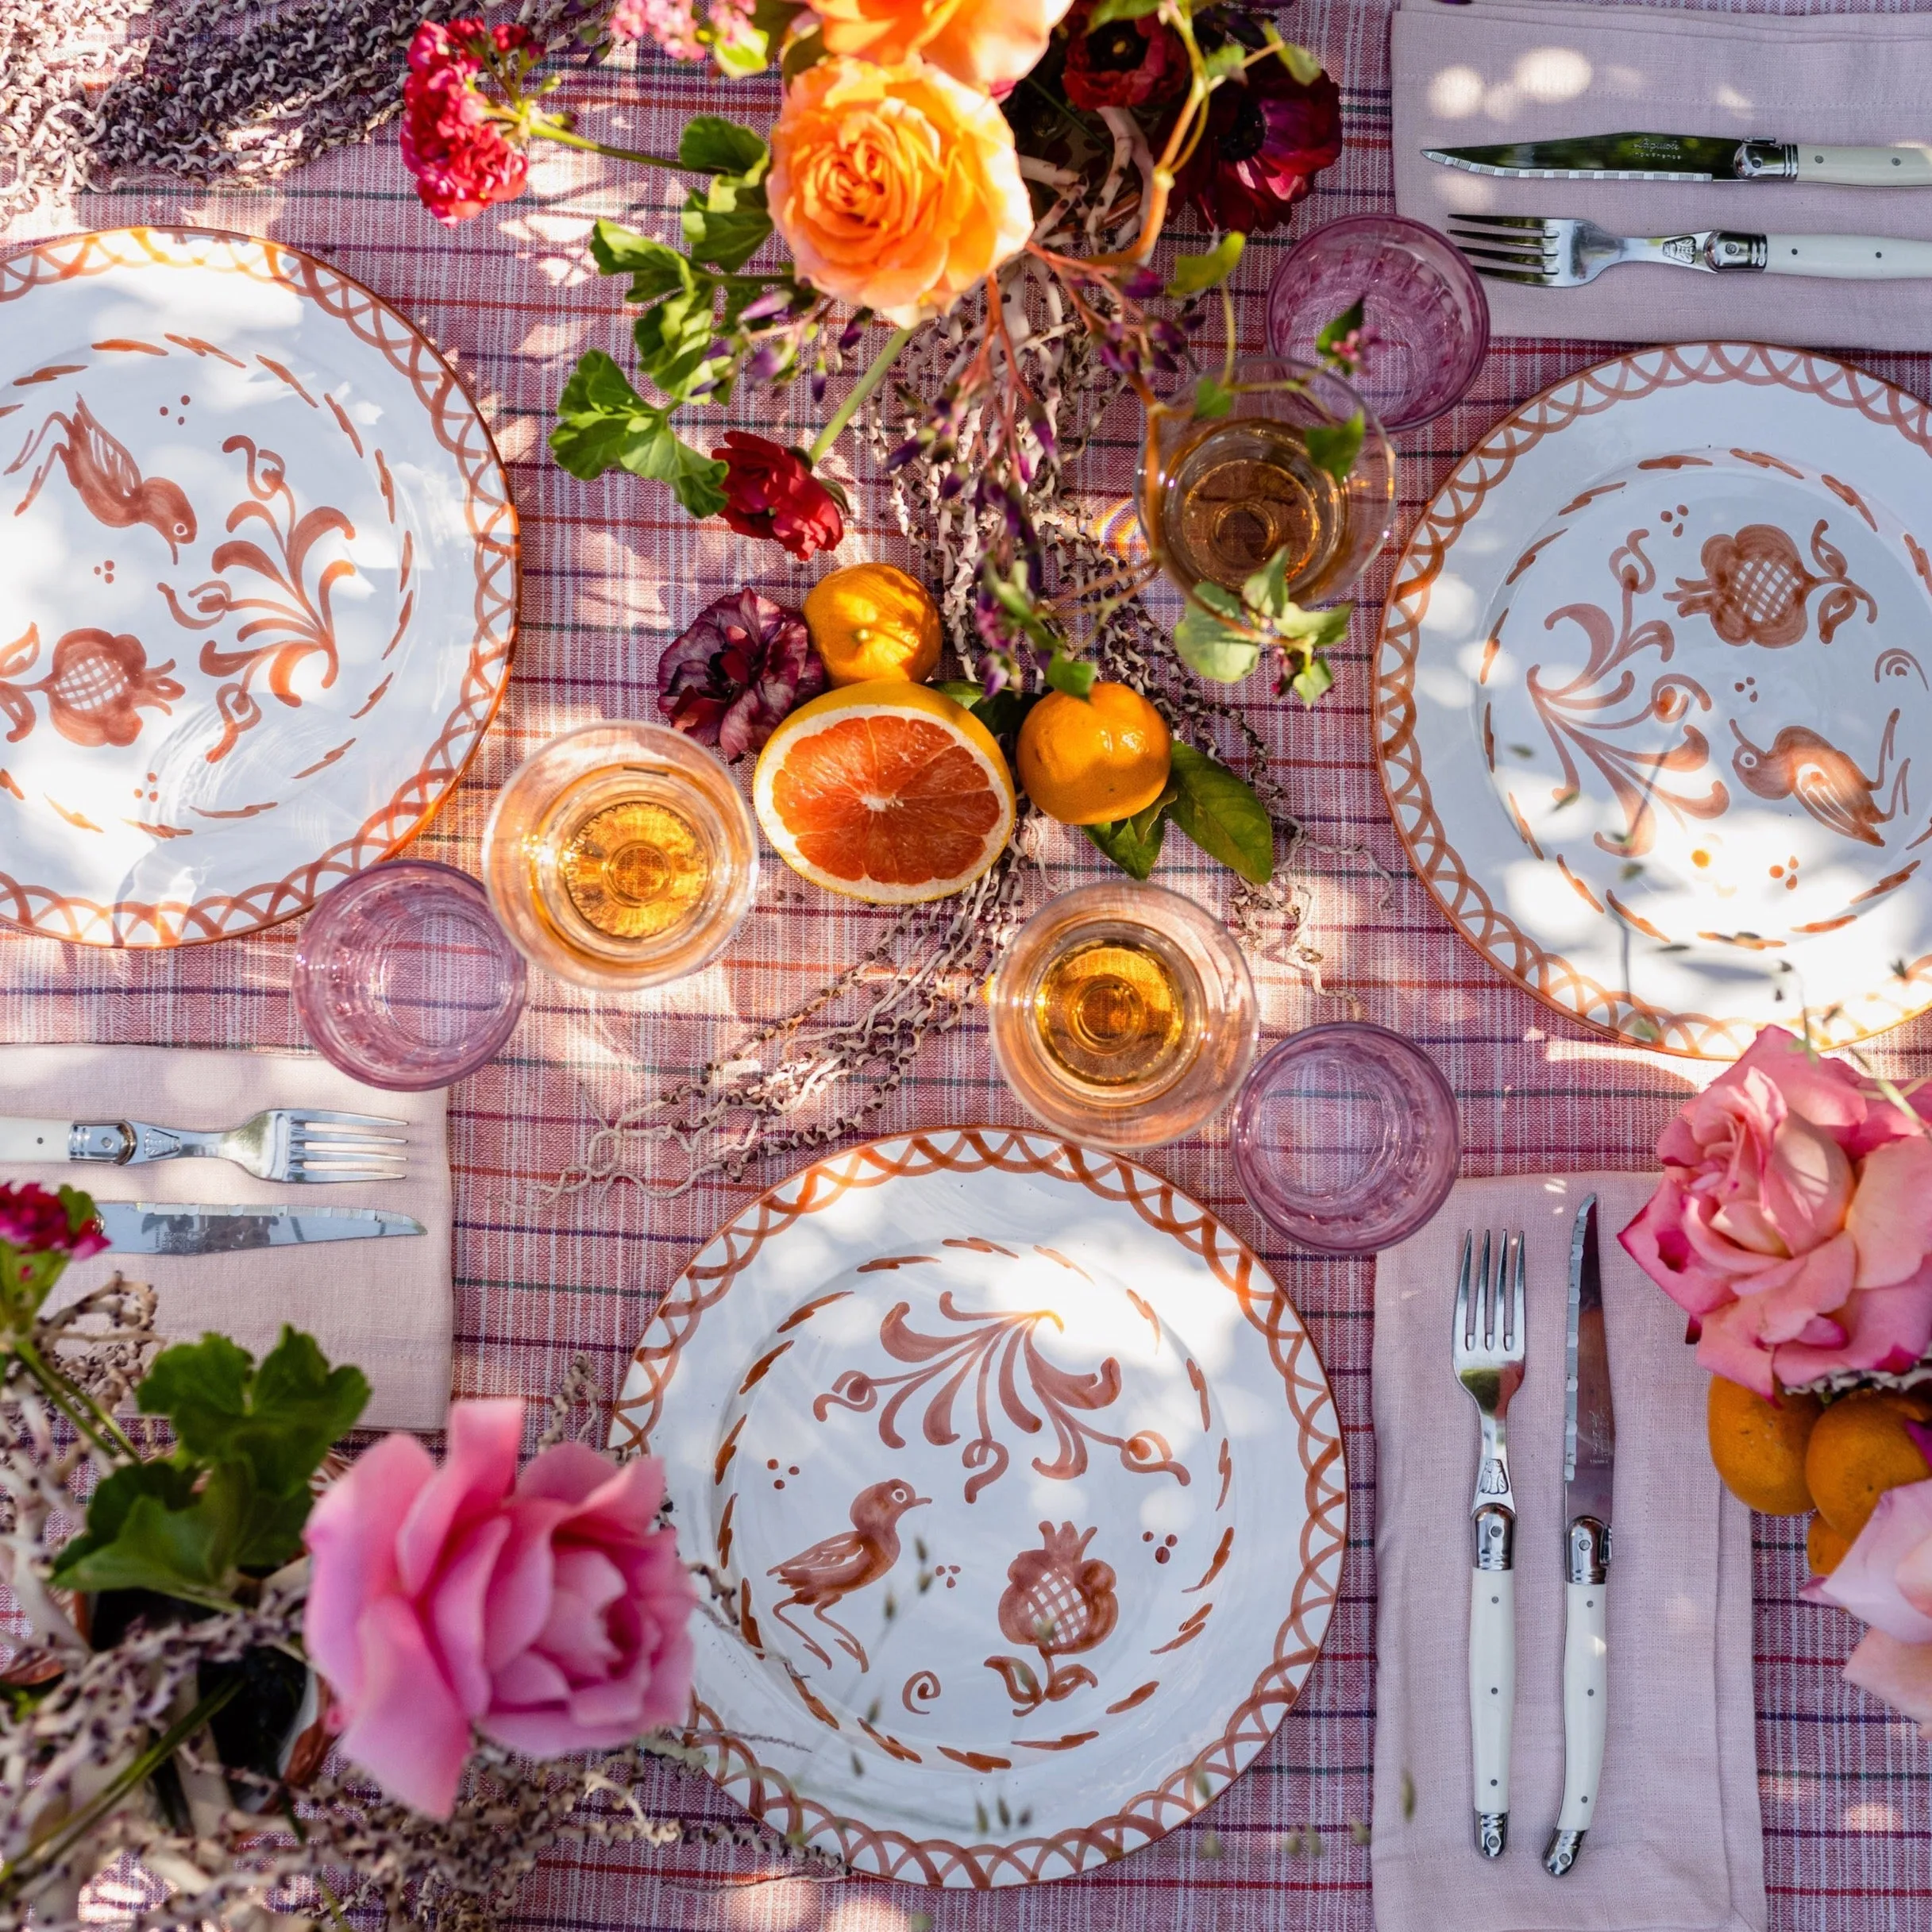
(1794, 1221)
(543, 1610)
(1885, 1579)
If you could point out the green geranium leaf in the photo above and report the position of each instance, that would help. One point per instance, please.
(1193, 273)
(673, 341)
(1315, 629)
(654, 269)
(1214, 650)
(1311, 680)
(598, 417)
(1074, 676)
(1223, 61)
(727, 225)
(1132, 845)
(1220, 814)
(693, 478)
(1339, 331)
(1212, 400)
(1109, 11)
(1299, 62)
(1334, 447)
(1225, 601)
(168, 1483)
(1266, 592)
(711, 145)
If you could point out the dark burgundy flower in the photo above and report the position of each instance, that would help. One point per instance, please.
(732, 677)
(453, 142)
(1268, 137)
(1125, 63)
(770, 491)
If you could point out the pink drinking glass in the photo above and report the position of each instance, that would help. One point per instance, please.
(1423, 306)
(404, 980)
(1345, 1138)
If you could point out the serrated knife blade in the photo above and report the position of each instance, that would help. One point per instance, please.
(1589, 1420)
(189, 1228)
(1603, 157)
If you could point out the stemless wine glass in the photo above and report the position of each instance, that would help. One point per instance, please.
(620, 856)
(1346, 1138)
(1220, 495)
(1424, 313)
(404, 980)
(1123, 1014)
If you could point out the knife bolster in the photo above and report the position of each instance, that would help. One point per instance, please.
(1494, 1530)
(1767, 160)
(1586, 1551)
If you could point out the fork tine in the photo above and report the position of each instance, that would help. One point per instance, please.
(298, 1172)
(1462, 1296)
(1502, 221)
(1516, 1301)
(303, 1117)
(1486, 1302)
(1521, 281)
(1509, 259)
(345, 1139)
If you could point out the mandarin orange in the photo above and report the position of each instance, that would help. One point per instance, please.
(1090, 760)
(1859, 1449)
(1758, 1447)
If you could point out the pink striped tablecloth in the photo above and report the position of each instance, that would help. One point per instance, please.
(611, 570)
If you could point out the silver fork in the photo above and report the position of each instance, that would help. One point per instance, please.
(282, 1143)
(1486, 1354)
(1563, 252)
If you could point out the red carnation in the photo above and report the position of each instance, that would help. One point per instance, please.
(38, 1222)
(770, 491)
(1268, 137)
(732, 679)
(453, 139)
(1125, 63)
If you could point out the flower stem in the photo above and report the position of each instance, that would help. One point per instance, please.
(78, 1409)
(856, 401)
(70, 1831)
(551, 130)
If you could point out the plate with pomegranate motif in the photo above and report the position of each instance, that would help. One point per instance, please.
(258, 572)
(1653, 703)
(1022, 1491)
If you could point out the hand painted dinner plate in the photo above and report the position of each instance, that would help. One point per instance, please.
(1652, 698)
(1024, 1486)
(257, 583)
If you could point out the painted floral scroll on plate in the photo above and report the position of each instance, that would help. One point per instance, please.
(1653, 698)
(257, 585)
(1023, 1492)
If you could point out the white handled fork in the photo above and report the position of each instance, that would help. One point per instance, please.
(1486, 1354)
(282, 1143)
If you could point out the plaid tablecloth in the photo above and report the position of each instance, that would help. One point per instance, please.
(610, 571)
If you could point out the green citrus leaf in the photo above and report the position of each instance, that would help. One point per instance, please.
(1220, 814)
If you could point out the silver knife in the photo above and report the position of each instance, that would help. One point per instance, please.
(1693, 157)
(186, 1227)
(1589, 1465)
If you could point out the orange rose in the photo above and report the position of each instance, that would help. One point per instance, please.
(896, 188)
(987, 43)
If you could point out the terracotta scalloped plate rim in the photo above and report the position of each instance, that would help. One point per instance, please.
(1152, 1813)
(498, 648)
(1716, 1039)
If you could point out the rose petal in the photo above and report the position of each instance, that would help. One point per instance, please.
(479, 1468)
(1655, 1241)
(1891, 1217)
(1866, 1580)
(406, 1730)
(456, 1611)
(1886, 1328)
(1731, 1347)
(1898, 1674)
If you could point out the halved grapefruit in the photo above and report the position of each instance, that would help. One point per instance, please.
(886, 791)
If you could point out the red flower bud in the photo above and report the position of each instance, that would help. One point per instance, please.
(770, 491)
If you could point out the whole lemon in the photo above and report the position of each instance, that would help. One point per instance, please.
(1859, 1449)
(870, 620)
(1089, 761)
(1824, 1548)
(1758, 1447)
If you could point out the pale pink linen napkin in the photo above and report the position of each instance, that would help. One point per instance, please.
(385, 1306)
(1507, 70)
(1676, 1846)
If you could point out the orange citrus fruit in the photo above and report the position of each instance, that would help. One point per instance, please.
(870, 621)
(1088, 761)
(1859, 1449)
(885, 791)
(1824, 1548)
(1758, 1446)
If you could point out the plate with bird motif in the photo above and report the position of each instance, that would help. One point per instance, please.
(1021, 1492)
(1653, 704)
(258, 567)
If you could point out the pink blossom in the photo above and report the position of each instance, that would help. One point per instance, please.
(543, 1610)
(453, 143)
(672, 25)
(36, 1222)
(1885, 1580)
(1794, 1220)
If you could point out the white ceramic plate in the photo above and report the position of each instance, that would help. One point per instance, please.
(1028, 1490)
(257, 583)
(1652, 698)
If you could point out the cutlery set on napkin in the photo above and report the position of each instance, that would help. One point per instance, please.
(1511, 135)
(384, 1301)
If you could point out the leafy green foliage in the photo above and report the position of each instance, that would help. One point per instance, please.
(603, 423)
(1298, 60)
(1194, 273)
(1328, 344)
(1074, 676)
(1110, 10)
(1213, 399)
(1220, 814)
(1335, 446)
(711, 145)
(1227, 640)
(1133, 844)
(232, 1499)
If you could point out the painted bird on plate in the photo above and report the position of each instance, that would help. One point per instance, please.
(1826, 781)
(106, 478)
(822, 1576)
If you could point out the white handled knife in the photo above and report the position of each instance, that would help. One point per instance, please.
(185, 1227)
(1589, 1464)
(1693, 157)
